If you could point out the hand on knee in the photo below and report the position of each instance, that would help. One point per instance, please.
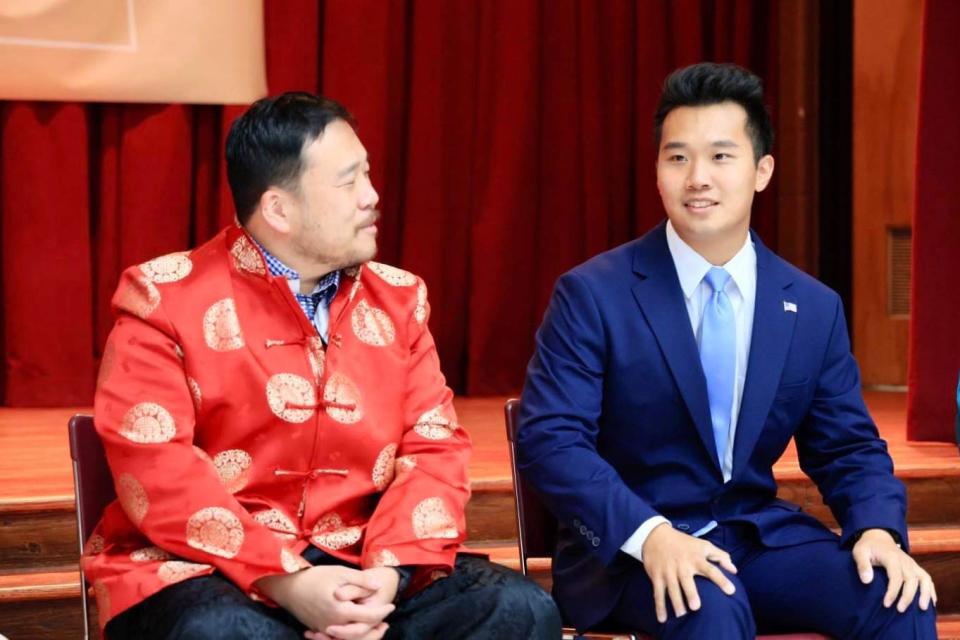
(905, 578)
(673, 559)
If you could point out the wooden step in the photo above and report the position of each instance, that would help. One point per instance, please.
(37, 533)
(44, 605)
(948, 627)
(937, 551)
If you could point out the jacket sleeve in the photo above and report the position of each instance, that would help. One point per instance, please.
(840, 449)
(560, 422)
(168, 487)
(420, 518)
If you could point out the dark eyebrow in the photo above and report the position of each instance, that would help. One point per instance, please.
(726, 144)
(675, 145)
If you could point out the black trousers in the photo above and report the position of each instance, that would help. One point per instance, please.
(479, 600)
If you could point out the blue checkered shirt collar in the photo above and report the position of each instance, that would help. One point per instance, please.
(321, 295)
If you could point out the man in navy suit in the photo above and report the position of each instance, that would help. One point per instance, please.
(670, 374)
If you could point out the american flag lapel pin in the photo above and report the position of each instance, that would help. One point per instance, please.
(789, 306)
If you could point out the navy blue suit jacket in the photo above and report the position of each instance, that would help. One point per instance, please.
(615, 420)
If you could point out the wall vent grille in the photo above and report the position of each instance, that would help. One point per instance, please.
(900, 245)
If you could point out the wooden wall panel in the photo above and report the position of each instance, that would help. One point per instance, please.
(886, 72)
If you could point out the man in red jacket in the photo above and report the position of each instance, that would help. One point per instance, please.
(286, 454)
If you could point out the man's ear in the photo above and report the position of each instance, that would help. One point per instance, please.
(764, 172)
(276, 208)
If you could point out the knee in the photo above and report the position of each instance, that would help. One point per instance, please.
(228, 622)
(529, 610)
(722, 615)
(873, 620)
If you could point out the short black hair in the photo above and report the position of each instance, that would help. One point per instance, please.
(708, 83)
(265, 145)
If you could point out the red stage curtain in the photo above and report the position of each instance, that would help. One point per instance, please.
(935, 307)
(510, 140)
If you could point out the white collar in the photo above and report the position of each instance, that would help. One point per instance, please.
(692, 267)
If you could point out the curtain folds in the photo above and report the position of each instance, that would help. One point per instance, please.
(935, 304)
(509, 139)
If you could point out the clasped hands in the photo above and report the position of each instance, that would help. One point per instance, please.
(335, 602)
(672, 558)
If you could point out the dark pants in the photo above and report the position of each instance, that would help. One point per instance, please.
(806, 587)
(479, 600)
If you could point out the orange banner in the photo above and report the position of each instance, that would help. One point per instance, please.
(194, 51)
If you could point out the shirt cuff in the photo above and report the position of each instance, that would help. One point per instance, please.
(634, 544)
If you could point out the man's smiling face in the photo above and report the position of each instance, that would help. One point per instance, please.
(707, 175)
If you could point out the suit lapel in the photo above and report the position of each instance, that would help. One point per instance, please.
(772, 333)
(658, 293)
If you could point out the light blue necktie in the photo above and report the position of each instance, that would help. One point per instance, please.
(718, 355)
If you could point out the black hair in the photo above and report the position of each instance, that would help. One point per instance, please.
(710, 83)
(265, 145)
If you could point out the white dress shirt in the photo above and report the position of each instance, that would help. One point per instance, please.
(741, 289)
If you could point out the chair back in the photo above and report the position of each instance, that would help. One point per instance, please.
(93, 489)
(536, 526)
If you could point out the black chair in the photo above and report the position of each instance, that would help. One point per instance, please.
(537, 527)
(93, 490)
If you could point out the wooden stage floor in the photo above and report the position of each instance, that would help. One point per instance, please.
(35, 458)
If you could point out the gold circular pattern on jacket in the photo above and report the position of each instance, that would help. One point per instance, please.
(291, 562)
(148, 423)
(392, 275)
(246, 257)
(233, 467)
(149, 554)
(177, 570)
(221, 326)
(139, 297)
(278, 523)
(433, 425)
(345, 398)
(195, 393)
(432, 520)
(95, 545)
(215, 530)
(385, 558)
(405, 464)
(331, 533)
(285, 389)
(168, 268)
(317, 357)
(420, 313)
(132, 497)
(372, 326)
(383, 469)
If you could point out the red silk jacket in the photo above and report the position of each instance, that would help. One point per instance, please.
(236, 439)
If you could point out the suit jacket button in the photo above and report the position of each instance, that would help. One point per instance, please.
(582, 529)
(595, 542)
(576, 522)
